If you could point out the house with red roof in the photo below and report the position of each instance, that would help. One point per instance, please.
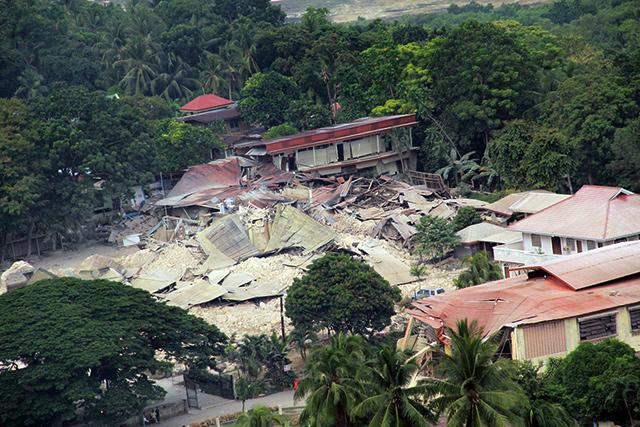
(546, 311)
(208, 108)
(593, 217)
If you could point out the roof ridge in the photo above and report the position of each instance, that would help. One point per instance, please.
(606, 217)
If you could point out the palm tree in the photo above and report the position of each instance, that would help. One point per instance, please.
(175, 82)
(470, 387)
(330, 384)
(481, 270)
(212, 72)
(540, 412)
(395, 400)
(234, 67)
(252, 354)
(460, 168)
(260, 416)
(31, 84)
(138, 59)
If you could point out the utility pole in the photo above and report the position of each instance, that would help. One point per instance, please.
(282, 316)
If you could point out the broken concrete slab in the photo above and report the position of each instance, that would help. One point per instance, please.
(385, 264)
(199, 292)
(158, 280)
(16, 276)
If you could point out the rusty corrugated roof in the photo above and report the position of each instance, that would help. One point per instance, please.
(565, 291)
(593, 213)
(595, 267)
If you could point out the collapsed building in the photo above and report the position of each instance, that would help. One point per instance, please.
(377, 145)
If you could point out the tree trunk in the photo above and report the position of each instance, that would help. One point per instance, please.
(243, 405)
(29, 237)
(3, 245)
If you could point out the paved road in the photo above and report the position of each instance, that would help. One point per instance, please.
(215, 406)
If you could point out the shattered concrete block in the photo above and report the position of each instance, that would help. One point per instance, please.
(16, 276)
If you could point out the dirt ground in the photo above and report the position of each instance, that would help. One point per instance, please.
(351, 10)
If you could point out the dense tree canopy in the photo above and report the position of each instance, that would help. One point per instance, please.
(341, 294)
(518, 97)
(69, 342)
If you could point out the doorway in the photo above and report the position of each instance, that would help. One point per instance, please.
(340, 152)
(556, 244)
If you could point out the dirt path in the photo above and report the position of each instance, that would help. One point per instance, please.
(58, 261)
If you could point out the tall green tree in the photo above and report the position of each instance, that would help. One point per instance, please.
(265, 98)
(482, 77)
(588, 109)
(465, 217)
(542, 411)
(595, 373)
(435, 238)
(330, 386)
(341, 294)
(68, 344)
(472, 388)
(394, 397)
(21, 164)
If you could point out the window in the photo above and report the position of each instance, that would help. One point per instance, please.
(579, 246)
(634, 314)
(591, 245)
(620, 240)
(598, 326)
(234, 124)
(536, 241)
(571, 244)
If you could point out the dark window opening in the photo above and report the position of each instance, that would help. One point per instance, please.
(579, 245)
(634, 314)
(340, 152)
(598, 327)
(291, 162)
(556, 244)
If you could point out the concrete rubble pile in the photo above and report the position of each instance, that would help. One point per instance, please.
(229, 239)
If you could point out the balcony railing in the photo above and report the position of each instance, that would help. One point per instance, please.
(514, 253)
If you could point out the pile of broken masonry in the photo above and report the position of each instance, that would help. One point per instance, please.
(252, 249)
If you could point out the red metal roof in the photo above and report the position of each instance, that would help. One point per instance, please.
(602, 265)
(205, 102)
(541, 298)
(210, 184)
(593, 213)
(357, 129)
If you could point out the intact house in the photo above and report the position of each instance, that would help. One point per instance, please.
(375, 145)
(593, 217)
(209, 108)
(546, 312)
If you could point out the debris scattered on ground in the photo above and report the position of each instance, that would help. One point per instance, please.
(231, 237)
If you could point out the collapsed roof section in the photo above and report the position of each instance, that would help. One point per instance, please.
(211, 184)
(572, 286)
